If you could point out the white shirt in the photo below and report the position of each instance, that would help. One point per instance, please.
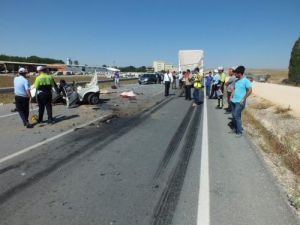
(168, 77)
(180, 76)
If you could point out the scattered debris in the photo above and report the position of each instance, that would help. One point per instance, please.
(128, 94)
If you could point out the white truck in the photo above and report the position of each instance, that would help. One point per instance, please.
(190, 59)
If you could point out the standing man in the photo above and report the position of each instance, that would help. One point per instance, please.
(188, 85)
(208, 80)
(174, 80)
(216, 80)
(43, 84)
(242, 90)
(182, 83)
(229, 87)
(222, 83)
(197, 88)
(168, 79)
(117, 79)
(22, 96)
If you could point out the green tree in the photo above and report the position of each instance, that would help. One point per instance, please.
(30, 59)
(294, 67)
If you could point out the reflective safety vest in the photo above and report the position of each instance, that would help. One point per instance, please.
(197, 81)
(222, 77)
(44, 82)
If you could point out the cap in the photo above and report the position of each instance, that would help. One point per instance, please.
(216, 71)
(220, 68)
(22, 70)
(240, 69)
(39, 68)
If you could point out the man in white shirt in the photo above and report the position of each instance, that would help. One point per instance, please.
(168, 79)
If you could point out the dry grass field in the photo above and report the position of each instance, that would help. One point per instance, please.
(276, 75)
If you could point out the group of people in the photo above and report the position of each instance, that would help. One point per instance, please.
(236, 88)
(43, 84)
(187, 81)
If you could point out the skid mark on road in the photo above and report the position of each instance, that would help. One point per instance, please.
(164, 211)
(174, 143)
(45, 167)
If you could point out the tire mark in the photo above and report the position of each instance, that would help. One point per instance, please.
(46, 166)
(174, 143)
(165, 209)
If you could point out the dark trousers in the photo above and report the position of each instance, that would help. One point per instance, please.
(213, 91)
(228, 101)
(167, 88)
(22, 106)
(45, 100)
(188, 92)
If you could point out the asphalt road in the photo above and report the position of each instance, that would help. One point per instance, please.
(143, 169)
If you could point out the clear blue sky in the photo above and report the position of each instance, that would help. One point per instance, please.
(255, 33)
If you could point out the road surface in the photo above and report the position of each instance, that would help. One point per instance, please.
(172, 164)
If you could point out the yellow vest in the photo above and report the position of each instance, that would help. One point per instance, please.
(197, 81)
(43, 80)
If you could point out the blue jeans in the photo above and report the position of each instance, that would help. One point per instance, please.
(237, 109)
(208, 90)
(196, 95)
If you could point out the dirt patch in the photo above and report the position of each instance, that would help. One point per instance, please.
(277, 132)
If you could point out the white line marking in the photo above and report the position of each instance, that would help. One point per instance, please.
(25, 150)
(203, 217)
(7, 115)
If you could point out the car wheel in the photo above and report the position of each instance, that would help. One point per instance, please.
(93, 99)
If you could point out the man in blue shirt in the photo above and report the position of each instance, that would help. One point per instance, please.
(242, 90)
(216, 81)
(208, 80)
(22, 96)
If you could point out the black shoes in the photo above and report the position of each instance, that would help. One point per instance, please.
(51, 121)
(28, 125)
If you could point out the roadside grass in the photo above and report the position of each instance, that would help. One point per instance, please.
(295, 200)
(283, 149)
(7, 98)
(262, 105)
(272, 144)
(282, 110)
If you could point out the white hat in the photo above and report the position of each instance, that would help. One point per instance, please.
(22, 70)
(216, 71)
(39, 68)
(220, 68)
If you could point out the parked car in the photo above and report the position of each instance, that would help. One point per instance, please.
(148, 78)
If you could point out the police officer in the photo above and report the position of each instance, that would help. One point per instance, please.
(22, 96)
(43, 84)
